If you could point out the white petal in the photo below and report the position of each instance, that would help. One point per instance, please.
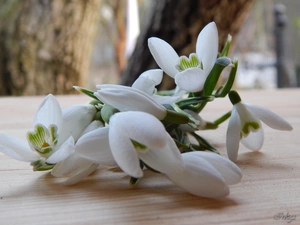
(200, 178)
(254, 140)
(141, 127)
(268, 117)
(207, 46)
(231, 173)
(164, 55)
(64, 151)
(144, 84)
(17, 149)
(156, 75)
(191, 80)
(75, 120)
(94, 146)
(124, 152)
(129, 99)
(233, 135)
(165, 160)
(81, 175)
(49, 113)
(92, 126)
(71, 166)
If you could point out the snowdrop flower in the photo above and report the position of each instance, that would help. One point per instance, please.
(54, 130)
(206, 174)
(147, 81)
(132, 136)
(245, 125)
(129, 99)
(189, 73)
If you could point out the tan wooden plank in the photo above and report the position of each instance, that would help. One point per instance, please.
(270, 185)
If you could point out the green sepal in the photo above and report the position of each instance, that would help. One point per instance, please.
(234, 97)
(213, 77)
(85, 91)
(224, 90)
(41, 165)
(107, 111)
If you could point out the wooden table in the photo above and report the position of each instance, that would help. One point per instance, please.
(268, 194)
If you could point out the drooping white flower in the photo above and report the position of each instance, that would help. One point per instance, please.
(245, 126)
(189, 73)
(132, 136)
(147, 81)
(129, 99)
(206, 174)
(53, 131)
(42, 141)
(138, 135)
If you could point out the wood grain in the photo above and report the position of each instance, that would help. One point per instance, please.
(270, 185)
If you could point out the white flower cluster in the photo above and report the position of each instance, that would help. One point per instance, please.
(137, 128)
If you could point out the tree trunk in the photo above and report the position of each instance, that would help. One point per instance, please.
(179, 22)
(45, 46)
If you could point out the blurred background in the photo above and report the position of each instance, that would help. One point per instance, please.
(47, 46)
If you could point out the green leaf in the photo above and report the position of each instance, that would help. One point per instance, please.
(41, 165)
(226, 47)
(87, 92)
(213, 77)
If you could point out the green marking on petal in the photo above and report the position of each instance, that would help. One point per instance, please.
(42, 139)
(191, 62)
(138, 146)
(53, 134)
(247, 127)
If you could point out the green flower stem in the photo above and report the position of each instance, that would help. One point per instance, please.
(222, 118)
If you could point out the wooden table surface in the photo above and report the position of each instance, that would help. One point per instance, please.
(269, 192)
